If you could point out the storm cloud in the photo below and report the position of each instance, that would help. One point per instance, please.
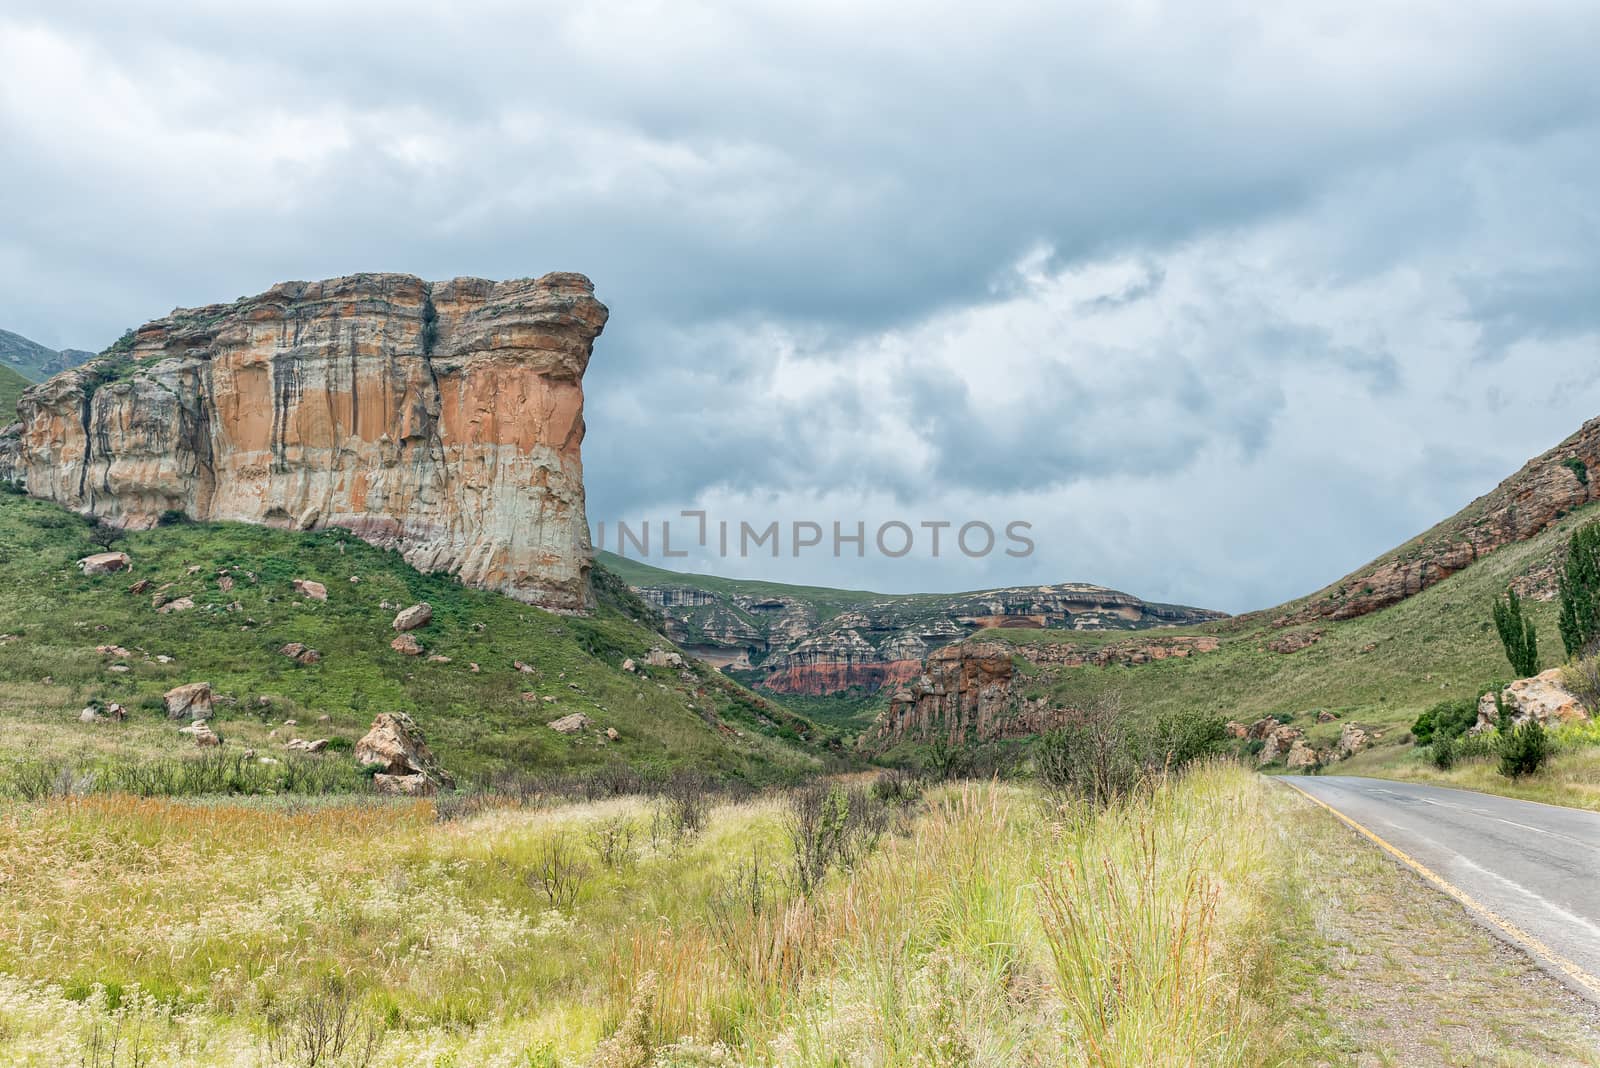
(1225, 300)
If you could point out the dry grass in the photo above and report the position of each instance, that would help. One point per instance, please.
(199, 932)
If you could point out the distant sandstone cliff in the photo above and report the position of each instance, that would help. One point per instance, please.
(802, 640)
(443, 419)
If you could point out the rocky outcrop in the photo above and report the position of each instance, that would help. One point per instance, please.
(190, 701)
(965, 692)
(1543, 491)
(441, 419)
(1542, 697)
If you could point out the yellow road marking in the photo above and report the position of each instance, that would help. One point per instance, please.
(1510, 930)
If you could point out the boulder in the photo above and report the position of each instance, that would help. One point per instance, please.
(204, 736)
(104, 563)
(611, 732)
(396, 745)
(1326, 716)
(662, 658)
(436, 658)
(300, 653)
(302, 745)
(1301, 755)
(179, 604)
(1541, 697)
(629, 666)
(189, 701)
(88, 715)
(572, 724)
(309, 588)
(418, 615)
(1235, 728)
(407, 645)
(526, 669)
(1279, 742)
(140, 586)
(1352, 740)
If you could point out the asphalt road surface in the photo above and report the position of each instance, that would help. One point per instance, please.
(1529, 872)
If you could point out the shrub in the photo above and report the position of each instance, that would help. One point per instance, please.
(1450, 719)
(325, 1027)
(1517, 634)
(897, 786)
(1107, 751)
(558, 872)
(172, 517)
(1582, 678)
(1523, 749)
(830, 827)
(612, 842)
(1579, 589)
(1444, 753)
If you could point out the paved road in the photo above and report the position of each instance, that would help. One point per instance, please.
(1530, 872)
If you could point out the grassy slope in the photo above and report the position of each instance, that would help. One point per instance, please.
(11, 386)
(1437, 644)
(23, 356)
(477, 722)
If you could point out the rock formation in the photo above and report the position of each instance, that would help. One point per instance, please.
(1543, 697)
(840, 640)
(442, 419)
(396, 745)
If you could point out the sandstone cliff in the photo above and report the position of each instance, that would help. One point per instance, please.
(814, 641)
(442, 419)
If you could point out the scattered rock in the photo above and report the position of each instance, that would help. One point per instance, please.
(140, 586)
(473, 667)
(312, 589)
(301, 745)
(192, 569)
(88, 715)
(163, 658)
(355, 579)
(116, 712)
(300, 653)
(112, 650)
(548, 699)
(180, 604)
(1370, 647)
(418, 615)
(406, 644)
(1326, 716)
(1235, 728)
(570, 724)
(204, 736)
(629, 666)
(104, 563)
(438, 659)
(662, 658)
(526, 669)
(396, 744)
(225, 583)
(189, 701)
(611, 732)
(120, 669)
(1296, 641)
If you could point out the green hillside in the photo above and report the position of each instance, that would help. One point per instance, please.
(1379, 670)
(11, 387)
(480, 723)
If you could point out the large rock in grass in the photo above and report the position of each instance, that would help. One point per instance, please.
(190, 701)
(573, 724)
(104, 563)
(1541, 697)
(441, 419)
(396, 745)
(418, 615)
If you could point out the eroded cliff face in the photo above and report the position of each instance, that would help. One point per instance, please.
(441, 419)
(800, 648)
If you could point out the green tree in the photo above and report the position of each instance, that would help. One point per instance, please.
(1517, 634)
(1523, 749)
(1580, 590)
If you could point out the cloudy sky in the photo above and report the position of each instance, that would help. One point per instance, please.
(1224, 299)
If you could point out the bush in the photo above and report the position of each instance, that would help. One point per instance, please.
(172, 517)
(1108, 751)
(830, 827)
(1451, 719)
(1523, 749)
(1517, 634)
(1582, 678)
(1444, 752)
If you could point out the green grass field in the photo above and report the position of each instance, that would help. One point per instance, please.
(482, 722)
(11, 386)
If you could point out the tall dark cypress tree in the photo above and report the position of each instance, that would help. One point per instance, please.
(1517, 634)
(1580, 590)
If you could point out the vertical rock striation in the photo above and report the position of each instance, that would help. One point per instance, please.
(441, 419)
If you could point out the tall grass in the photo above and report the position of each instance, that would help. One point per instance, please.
(989, 927)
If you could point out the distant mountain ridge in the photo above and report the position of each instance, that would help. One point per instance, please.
(818, 641)
(34, 361)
